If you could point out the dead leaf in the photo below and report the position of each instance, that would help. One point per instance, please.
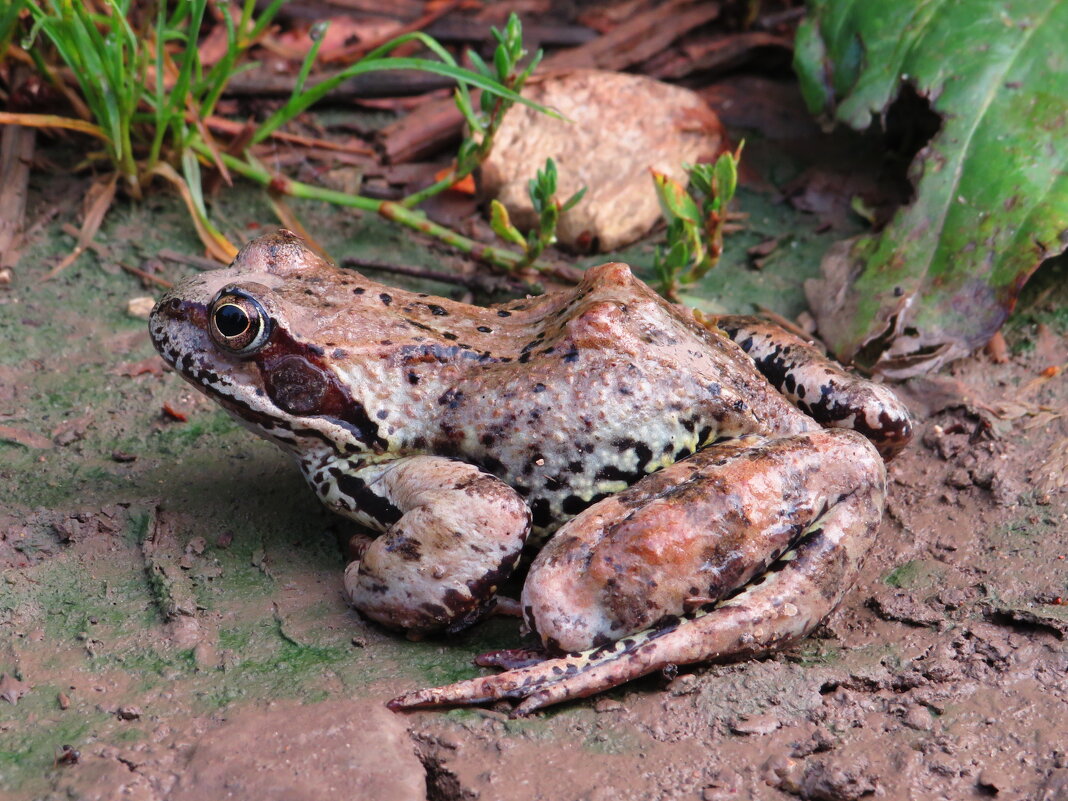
(153, 365)
(11, 689)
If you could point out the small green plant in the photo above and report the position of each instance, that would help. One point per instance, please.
(144, 92)
(696, 219)
(482, 125)
(542, 188)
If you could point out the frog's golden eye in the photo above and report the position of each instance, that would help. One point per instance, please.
(238, 323)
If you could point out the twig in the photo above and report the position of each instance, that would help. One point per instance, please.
(155, 279)
(361, 49)
(235, 128)
(16, 153)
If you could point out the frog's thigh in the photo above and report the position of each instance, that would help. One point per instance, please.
(696, 530)
(459, 535)
(820, 386)
(780, 605)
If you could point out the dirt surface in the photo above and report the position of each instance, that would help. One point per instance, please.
(171, 604)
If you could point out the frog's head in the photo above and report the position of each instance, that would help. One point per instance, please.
(251, 337)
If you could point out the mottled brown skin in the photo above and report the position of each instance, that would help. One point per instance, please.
(455, 429)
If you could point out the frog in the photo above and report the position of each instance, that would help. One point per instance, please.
(679, 488)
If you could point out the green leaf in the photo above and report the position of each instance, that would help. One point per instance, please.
(675, 201)
(502, 224)
(991, 197)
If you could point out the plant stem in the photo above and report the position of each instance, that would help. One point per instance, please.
(416, 220)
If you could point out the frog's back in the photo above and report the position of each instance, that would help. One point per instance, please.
(611, 384)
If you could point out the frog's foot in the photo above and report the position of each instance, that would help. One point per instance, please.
(630, 564)
(780, 606)
(454, 536)
(820, 386)
(512, 658)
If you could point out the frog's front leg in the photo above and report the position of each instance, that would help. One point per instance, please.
(453, 534)
(613, 585)
(820, 386)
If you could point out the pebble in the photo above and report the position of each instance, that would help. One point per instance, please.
(755, 724)
(919, 718)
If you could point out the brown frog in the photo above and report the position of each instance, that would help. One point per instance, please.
(698, 489)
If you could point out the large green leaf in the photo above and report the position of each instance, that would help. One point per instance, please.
(991, 187)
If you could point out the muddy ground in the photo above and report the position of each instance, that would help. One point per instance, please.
(173, 625)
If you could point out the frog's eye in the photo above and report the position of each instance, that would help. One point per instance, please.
(238, 323)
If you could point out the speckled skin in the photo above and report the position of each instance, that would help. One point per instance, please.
(443, 423)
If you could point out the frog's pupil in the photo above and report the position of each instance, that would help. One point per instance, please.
(231, 320)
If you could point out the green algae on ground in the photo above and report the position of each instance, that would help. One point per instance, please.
(914, 574)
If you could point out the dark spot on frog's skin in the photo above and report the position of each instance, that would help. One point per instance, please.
(541, 513)
(613, 473)
(503, 313)
(524, 358)
(789, 383)
(406, 548)
(385, 298)
(413, 379)
(539, 387)
(339, 353)
(316, 350)
(437, 310)
(451, 398)
(364, 499)
(576, 467)
(450, 336)
(485, 329)
(572, 354)
(641, 450)
(548, 351)
(801, 391)
(381, 414)
(386, 342)
(358, 290)
(573, 504)
(418, 324)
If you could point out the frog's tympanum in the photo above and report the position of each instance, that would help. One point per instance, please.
(698, 489)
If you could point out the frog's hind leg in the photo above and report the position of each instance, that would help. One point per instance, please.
(819, 386)
(780, 604)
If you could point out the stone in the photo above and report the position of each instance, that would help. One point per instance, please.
(621, 127)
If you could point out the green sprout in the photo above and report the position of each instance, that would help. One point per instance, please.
(696, 219)
(482, 125)
(542, 189)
